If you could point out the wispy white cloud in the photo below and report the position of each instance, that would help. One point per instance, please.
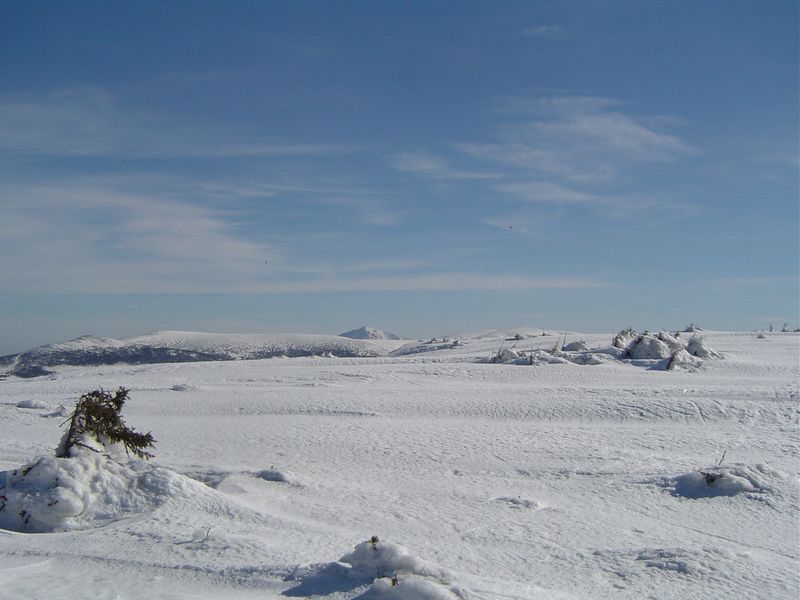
(579, 139)
(549, 192)
(424, 164)
(89, 122)
(444, 281)
(541, 30)
(748, 281)
(80, 239)
(372, 211)
(98, 239)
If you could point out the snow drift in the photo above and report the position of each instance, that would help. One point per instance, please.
(87, 490)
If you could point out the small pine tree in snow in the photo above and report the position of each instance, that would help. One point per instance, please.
(97, 415)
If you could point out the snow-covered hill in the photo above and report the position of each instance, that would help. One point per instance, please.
(185, 346)
(369, 333)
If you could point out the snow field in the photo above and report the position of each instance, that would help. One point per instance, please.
(481, 481)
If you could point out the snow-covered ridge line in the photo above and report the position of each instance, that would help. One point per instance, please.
(186, 346)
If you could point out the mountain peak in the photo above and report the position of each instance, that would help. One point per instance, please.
(369, 333)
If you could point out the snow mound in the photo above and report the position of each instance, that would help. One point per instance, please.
(648, 347)
(182, 387)
(682, 360)
(623, 339)
(369, 333)
(722, 481)
(389, 570)
(31, 404)
(672, 342)
(396, 573)
(697, 346)
(86, 490)
(506, 355)
(577, 346)
(411, 587)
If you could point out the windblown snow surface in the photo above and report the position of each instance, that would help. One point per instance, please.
(426, 473)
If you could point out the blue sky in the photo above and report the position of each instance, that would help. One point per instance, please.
(423, 167)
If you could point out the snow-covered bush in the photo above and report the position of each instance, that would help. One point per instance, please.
(86, 481)
(505, 355)
(647, 346)
(395, 573)
(698, 346)
(682, 360)
(623, 338)
(96, 421)
(88, 489)
(577, 346)
(723, 481)
(389, 570)
(670, 340)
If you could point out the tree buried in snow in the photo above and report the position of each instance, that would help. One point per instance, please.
(97, 418)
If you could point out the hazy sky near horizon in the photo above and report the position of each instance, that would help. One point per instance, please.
(422, 167)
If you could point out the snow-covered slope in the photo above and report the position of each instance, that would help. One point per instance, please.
(369, 333)
(481, 481)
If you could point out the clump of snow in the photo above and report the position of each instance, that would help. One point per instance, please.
(410, 587)
(682, 360)
(86, 490)
(577, 346)
(722, 481)
(505, 355)
(182, 387)
(670, 340)
(381, 561)
(648, 347)
(698, 346)
(31, 403)
(596, 359)
(623, 339)
(388, 568)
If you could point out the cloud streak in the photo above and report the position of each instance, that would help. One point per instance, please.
(578, 139)
(100, 240)
(88, 122)
(426, 165)
(103, 240)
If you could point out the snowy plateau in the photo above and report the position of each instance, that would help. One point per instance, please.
(508, 465)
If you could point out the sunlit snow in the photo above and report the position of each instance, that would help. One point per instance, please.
(501, 465)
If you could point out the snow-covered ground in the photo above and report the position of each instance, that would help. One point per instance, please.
(605, 479)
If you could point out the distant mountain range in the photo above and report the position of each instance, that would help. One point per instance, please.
(185, 346)
(369, 333)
